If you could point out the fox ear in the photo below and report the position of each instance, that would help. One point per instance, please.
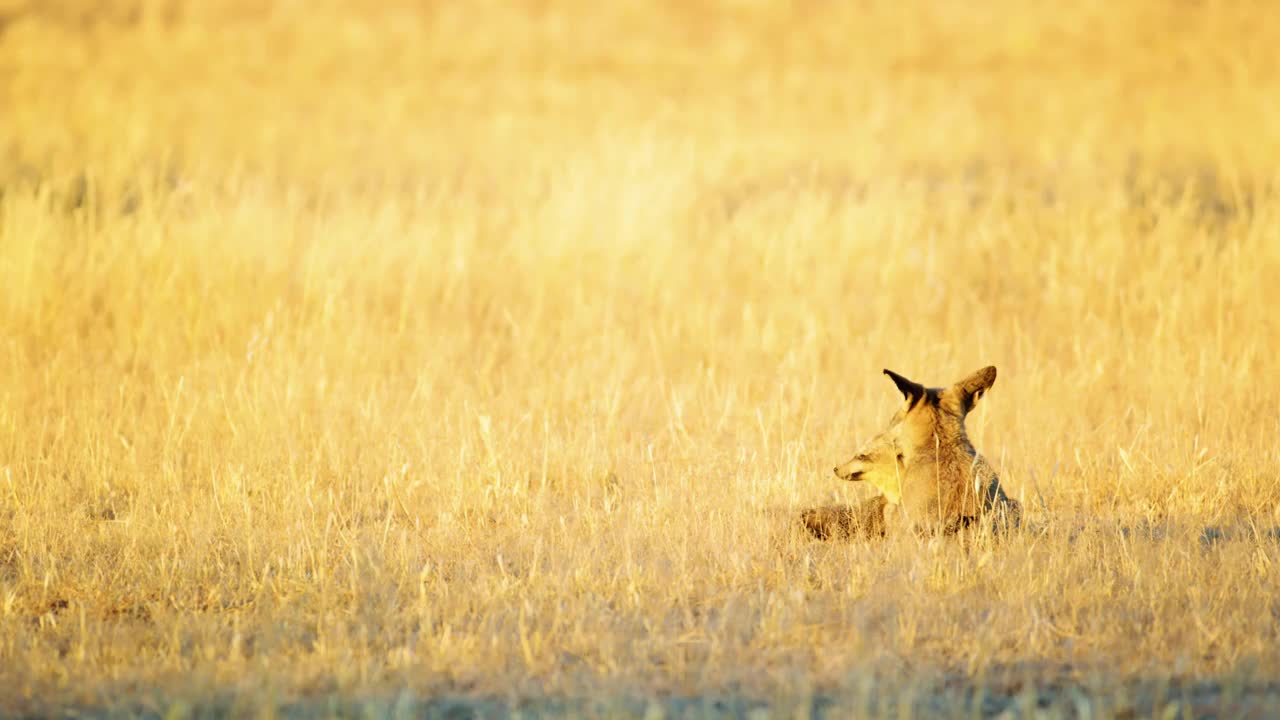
(972, 387)
(912, 391)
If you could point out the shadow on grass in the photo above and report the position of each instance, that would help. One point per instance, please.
(1030, 689)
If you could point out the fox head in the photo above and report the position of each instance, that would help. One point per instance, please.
(879, 461)
(933, 418)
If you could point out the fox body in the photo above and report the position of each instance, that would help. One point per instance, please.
(929, 476)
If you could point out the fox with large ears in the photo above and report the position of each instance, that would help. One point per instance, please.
(945, 485)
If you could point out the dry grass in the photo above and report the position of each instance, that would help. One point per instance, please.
(468, 351)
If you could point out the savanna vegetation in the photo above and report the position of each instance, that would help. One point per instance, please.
(438, 357)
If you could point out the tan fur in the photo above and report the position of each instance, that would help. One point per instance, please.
(946, 485)
(844, 522)
(879, 462)
(928, 475)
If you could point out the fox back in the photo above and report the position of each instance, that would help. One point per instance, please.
(946, 485)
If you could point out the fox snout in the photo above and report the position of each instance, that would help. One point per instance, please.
(852, 470)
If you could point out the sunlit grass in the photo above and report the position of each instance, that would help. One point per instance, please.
(484, 350)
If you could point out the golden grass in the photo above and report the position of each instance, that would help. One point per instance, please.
(479, 350)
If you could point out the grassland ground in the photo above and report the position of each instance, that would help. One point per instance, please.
(470, 358)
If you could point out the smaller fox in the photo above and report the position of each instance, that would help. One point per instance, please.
(879, 462)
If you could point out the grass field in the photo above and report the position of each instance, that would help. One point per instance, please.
(461, 358)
